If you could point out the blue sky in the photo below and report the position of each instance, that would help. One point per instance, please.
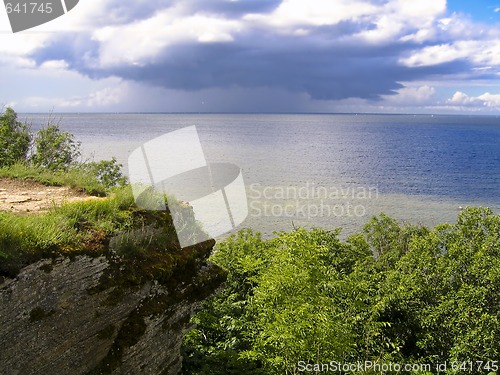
(394, 56)
(485, 11)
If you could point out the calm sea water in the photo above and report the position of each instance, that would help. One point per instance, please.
(326, 170)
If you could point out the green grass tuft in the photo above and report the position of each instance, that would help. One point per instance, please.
(76, 226)
(77, 177)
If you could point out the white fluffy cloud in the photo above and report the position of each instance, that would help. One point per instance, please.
(54, 64)
(140, 42)
(405, 20)
(137, 41)
(460, 99)
(482, 52)
(465, 40)
(377, 22)
(52, 85)
(412, 96)
(299, 13)
(97, 100)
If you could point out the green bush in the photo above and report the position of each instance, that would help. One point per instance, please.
(15, 138)
(54, 158)
(106, 172)
(392, 294)
(55, 149)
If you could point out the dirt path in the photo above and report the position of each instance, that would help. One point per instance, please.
(31, 196)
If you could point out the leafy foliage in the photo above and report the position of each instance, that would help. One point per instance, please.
(226, 325)
(15, 138)
(51, 156)
(106, 172)
(55, 149)
(393, 294)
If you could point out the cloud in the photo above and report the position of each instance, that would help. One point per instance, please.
(403, 20)
(54, 64)
(297, 13)
(53, 86)
(477, 52)
(412, 96)
(15, 49)
(461, 99)
(374, 50)
(103, 98)
(162, 30)
(328, 50)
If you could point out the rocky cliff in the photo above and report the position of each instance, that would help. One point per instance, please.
(118, 304)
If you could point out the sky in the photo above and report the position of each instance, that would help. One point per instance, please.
(389, 56)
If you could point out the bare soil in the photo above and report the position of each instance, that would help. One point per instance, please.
(32, 197)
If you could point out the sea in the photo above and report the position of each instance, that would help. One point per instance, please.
(323, 170)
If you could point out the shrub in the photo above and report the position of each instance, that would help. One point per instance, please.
(55, 149)
(107, 172)
(54, 158)
(426, 296)
(15, 138)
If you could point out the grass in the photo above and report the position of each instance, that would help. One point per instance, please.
(72, 227)
(113, 226)
(76, 177)
(146, 241)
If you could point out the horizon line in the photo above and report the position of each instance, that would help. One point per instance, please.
(258, 113)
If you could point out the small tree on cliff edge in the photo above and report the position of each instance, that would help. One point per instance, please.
(15, 138)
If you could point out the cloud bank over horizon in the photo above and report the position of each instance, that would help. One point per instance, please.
(255, 56)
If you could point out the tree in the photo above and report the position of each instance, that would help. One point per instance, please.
(298, 302)
(15, 138)
(225, 328)
(391, 294)
(440, 300)
(282, 304)
(55, 149)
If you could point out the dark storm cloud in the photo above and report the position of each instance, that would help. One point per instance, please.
(322, 73)
(334, 72)
(325, 74)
